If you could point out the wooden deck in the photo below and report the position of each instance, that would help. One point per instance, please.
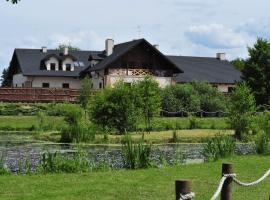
(38, 95)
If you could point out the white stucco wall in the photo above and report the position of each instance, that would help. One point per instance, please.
(19, 80)
(52, 60)
(224, 88)
(56, 82)
(97, 79)
(68, 61)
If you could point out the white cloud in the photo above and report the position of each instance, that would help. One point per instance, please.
(218, 36)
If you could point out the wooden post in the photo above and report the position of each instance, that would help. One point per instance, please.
(226, 192)
(182, 187)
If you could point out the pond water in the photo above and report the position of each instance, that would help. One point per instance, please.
(15, 152)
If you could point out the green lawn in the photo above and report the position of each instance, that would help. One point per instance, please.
(151, 184)
(158, 124)
(186, 136)
(22, 123)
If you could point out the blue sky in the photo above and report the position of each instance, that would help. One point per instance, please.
(180, 27)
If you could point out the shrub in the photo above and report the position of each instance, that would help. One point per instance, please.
(211, 100)
(217, 147)
(242, 107)
(115, 108)
(81, 131)
(147, 95)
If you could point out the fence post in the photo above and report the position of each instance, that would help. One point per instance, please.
(182, 187)
(226, 192)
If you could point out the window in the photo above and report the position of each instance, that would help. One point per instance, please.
(45, 85)
(65, 85)
(53, 66)
(68, 67)
(100, 85)
(230, 89)
(92, 85)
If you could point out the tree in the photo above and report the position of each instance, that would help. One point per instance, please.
(148, 99)
(13, 1)
(85, 93)
(69, 46)
(239, 63)
(242, 107)
(211, 100)
(256, 72)
(6, 78)
(115, 108)
(180, 97)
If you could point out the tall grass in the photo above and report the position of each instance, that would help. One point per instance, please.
(220, 146)
(262, 145)
(57, 163)
(136, 155)
(3, 169)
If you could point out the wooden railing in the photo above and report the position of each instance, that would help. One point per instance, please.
(38, 95)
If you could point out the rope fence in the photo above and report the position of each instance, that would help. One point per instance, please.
(224, 190)
(199, 113)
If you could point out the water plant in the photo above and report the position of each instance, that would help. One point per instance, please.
(136, 155)
(57, 163)
(220, 146)
(262, 145)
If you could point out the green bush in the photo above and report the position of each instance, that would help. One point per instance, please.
(193, 97)
(242, 108)
(220, 146)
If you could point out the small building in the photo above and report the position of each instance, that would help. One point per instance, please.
(130, 61)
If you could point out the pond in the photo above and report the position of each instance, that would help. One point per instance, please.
(16, 152)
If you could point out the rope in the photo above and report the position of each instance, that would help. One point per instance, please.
(222, 180)
(252, 183)
(187, 196)
(225, 176)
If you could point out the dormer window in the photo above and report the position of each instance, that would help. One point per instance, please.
(52, 66)
(68, 67)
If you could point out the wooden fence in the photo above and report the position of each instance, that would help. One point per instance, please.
(38, 95)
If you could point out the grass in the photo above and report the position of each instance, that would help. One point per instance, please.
(11, 123)
(163, 137)
(150, 184)
(189, 136)
(22, 123)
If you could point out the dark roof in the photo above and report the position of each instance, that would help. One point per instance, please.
(212, 70)
(30, 61)
(122, 48)
(194, 68)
